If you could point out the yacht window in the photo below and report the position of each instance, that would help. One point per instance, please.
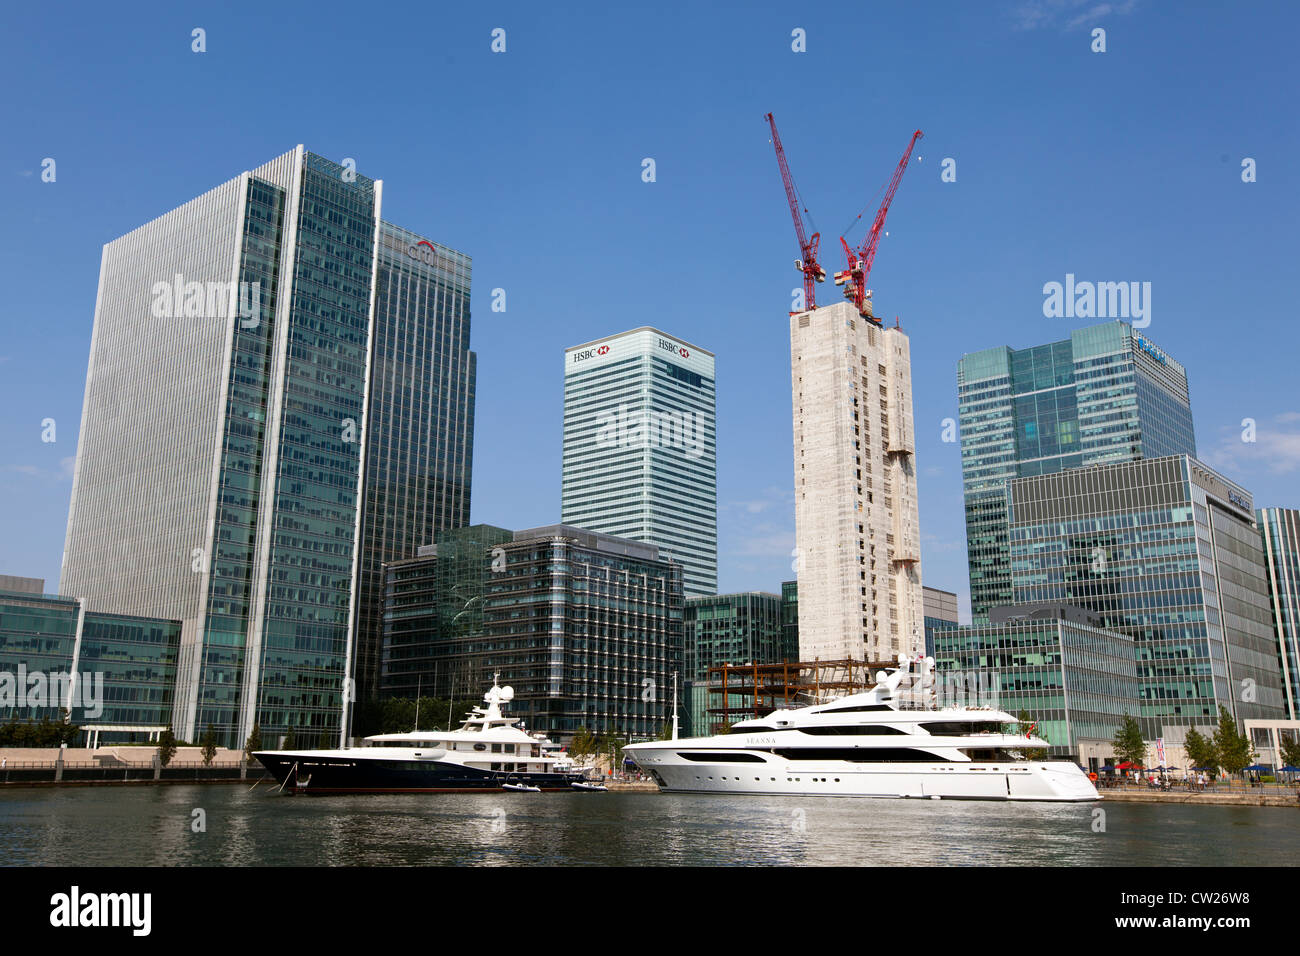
(480, 746)
(961, 728)
(702, 757)
(860, 708)
(859, 754)
(510, 748)
(496, 748)
(869, 730)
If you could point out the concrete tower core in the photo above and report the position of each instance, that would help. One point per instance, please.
(857, 533)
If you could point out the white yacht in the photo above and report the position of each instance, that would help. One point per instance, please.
(488, 752)
(874, 744)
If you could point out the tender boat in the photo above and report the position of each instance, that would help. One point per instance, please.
(873, 744)
(488, 752)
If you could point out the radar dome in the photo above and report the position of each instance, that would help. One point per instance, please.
(507, 693)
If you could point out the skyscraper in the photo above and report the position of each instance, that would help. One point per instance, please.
(420, 430)
(250, 407)
(1105, 394)
(1280, 530)
(1166, 551)
(640, 447)
(857, 532)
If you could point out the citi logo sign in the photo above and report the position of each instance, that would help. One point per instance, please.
(423, 251)
(674, 348)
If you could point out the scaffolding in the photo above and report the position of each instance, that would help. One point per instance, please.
(755, 690)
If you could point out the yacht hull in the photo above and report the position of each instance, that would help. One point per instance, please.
(322, 773)
(1028, 781)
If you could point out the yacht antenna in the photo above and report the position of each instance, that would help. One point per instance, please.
(674, 705)
(417, 704)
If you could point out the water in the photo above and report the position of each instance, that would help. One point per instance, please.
(152, 826)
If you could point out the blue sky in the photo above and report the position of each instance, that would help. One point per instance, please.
(1115, 166)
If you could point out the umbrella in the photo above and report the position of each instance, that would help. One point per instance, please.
(1258, 767)
(1290, 769)
(1171, 768)
(1126, 765)
(1204, 768)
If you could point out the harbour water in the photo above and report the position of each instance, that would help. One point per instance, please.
(156, 826)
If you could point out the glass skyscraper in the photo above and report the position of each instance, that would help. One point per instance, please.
(244, 427)
(1280, 531)
(1105, 394)
(640, 447)
(586, 627)
(1166, 551)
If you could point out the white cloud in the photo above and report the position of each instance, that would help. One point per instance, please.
(1065, 14)
(1276, 448)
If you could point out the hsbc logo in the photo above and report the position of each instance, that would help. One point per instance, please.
(674, 348)
(588, 353)
(423, 251)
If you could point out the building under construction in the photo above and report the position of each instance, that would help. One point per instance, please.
(745, 691)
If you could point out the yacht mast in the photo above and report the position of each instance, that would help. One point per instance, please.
(674, 705)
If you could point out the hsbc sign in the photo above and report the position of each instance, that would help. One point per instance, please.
(588, 353)
(674, 348)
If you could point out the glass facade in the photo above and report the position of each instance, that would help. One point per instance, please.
(1165, 551)
(640, 447)
(420, 431)
(790, 620)
(246, 470)
(1279, 530)
(1075, 681)
(126, 665)
(1105, 394)
(586, 627)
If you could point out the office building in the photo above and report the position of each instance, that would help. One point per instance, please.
(420, 429)
(257, 405)
(1105, 394)
(640, 449)
(743, 628)
(940, 611)
(1075, 680)
(1279, 529)
(1166, 551)
(112, 675)
(790, 620)
(857, 533)
(586, 627)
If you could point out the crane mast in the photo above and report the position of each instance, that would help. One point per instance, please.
(807, 261)
(854, 278)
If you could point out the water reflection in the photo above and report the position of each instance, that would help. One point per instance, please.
(151, 826)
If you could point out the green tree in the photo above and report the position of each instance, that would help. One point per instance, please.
(209, 745)
(583, 743)
(1036, 753)
(290, 739)
(1235, 751)
(1129, 745)
(1290, 747)
(254, 742)
(166, 746)
(1200, 749)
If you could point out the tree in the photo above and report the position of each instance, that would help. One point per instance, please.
(166, 746)
(583, 743)
(1037, 753)
(1129, 745)
(254, 742)
(209, 745)
(290, 739)
(1200, 750)
(1235, 751)
(1290, 750)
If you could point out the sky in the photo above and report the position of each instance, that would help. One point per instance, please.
(1122, 164)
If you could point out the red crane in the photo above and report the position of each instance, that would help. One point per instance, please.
(807, 261)
(854, 278)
